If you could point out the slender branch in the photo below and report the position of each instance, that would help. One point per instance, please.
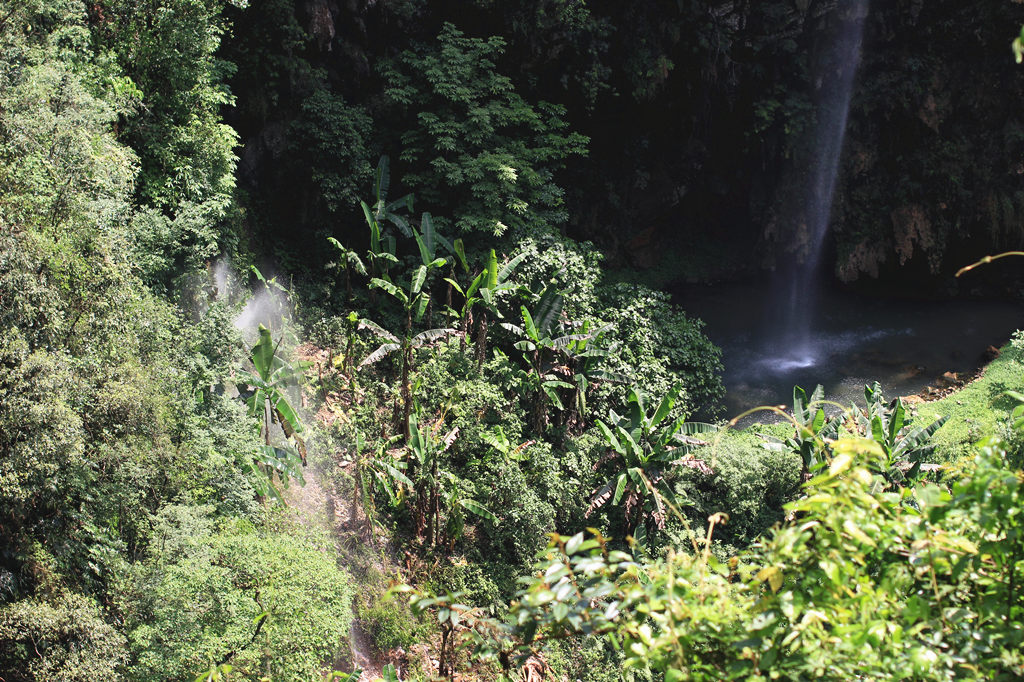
(256, 633)
(988, 259)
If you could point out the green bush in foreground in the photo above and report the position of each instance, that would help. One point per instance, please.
(864, 582)
(869, 577)
(269, 603)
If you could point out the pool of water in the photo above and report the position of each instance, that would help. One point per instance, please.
(905, 345)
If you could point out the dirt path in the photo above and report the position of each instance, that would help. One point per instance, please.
(315, 505)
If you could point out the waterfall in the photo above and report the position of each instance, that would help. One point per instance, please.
(793, 345)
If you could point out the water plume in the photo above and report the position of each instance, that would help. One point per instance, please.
(794, 344)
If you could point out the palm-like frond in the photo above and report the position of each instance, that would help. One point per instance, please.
(378, 330)
(383, 351)
(431, 335)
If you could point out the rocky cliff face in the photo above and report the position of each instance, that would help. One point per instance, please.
(698, 113)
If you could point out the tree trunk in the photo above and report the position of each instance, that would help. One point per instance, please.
(406, 389)
(435, 509)
(406, 392)
(464, 327)
(448, 292)
(423, 526)
(481, 342)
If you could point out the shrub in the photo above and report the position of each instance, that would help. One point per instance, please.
(657, 344)
(916, 583)
(663, 346)
(59, 637)
(750, 484)
(391, 624)
(270, 602)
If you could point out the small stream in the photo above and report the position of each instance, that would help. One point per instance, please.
(906, 345)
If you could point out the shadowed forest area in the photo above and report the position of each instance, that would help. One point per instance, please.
(527, 340)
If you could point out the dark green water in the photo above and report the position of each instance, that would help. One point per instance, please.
(905, 345)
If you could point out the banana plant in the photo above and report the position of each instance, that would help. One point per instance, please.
(414, 300)
(382, 245)
(905, 447)
(350, 261)
(428, 241)
(813, 430)
(279, 297)
(265, 393)
(486, 289)
(376, 471)
(585, 359)
(540, 350)
(645, 448)
(498, 441)
(436, 488)
(463, 316)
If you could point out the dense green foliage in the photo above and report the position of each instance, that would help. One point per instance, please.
(115, 418)
(865, 581)
(476, 139)
(265, 600)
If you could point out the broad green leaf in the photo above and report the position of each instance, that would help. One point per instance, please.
(378, 330)
(431, 335)
(474, 285)
(552, 394)
(515, 329)
(429, 236)
(263, 353)
(620, 488)
(374, 230)
(455, 285)
(405, 202)
(531, 328)
(382, 179)
(548, 310)
(637, 408)
(799, 404)
(819, 420)
(610, 437)
(897, 420)
(398, 221)
(509, 267)
(417, 280)
(478, 509)
(285, 412)
(877, 431)
(421, 302)
(389, 674)
(383, 351)
(460, 252)
(390, 288)
(396, 474)
(666, 405)
(918, 437)
(492, 270)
